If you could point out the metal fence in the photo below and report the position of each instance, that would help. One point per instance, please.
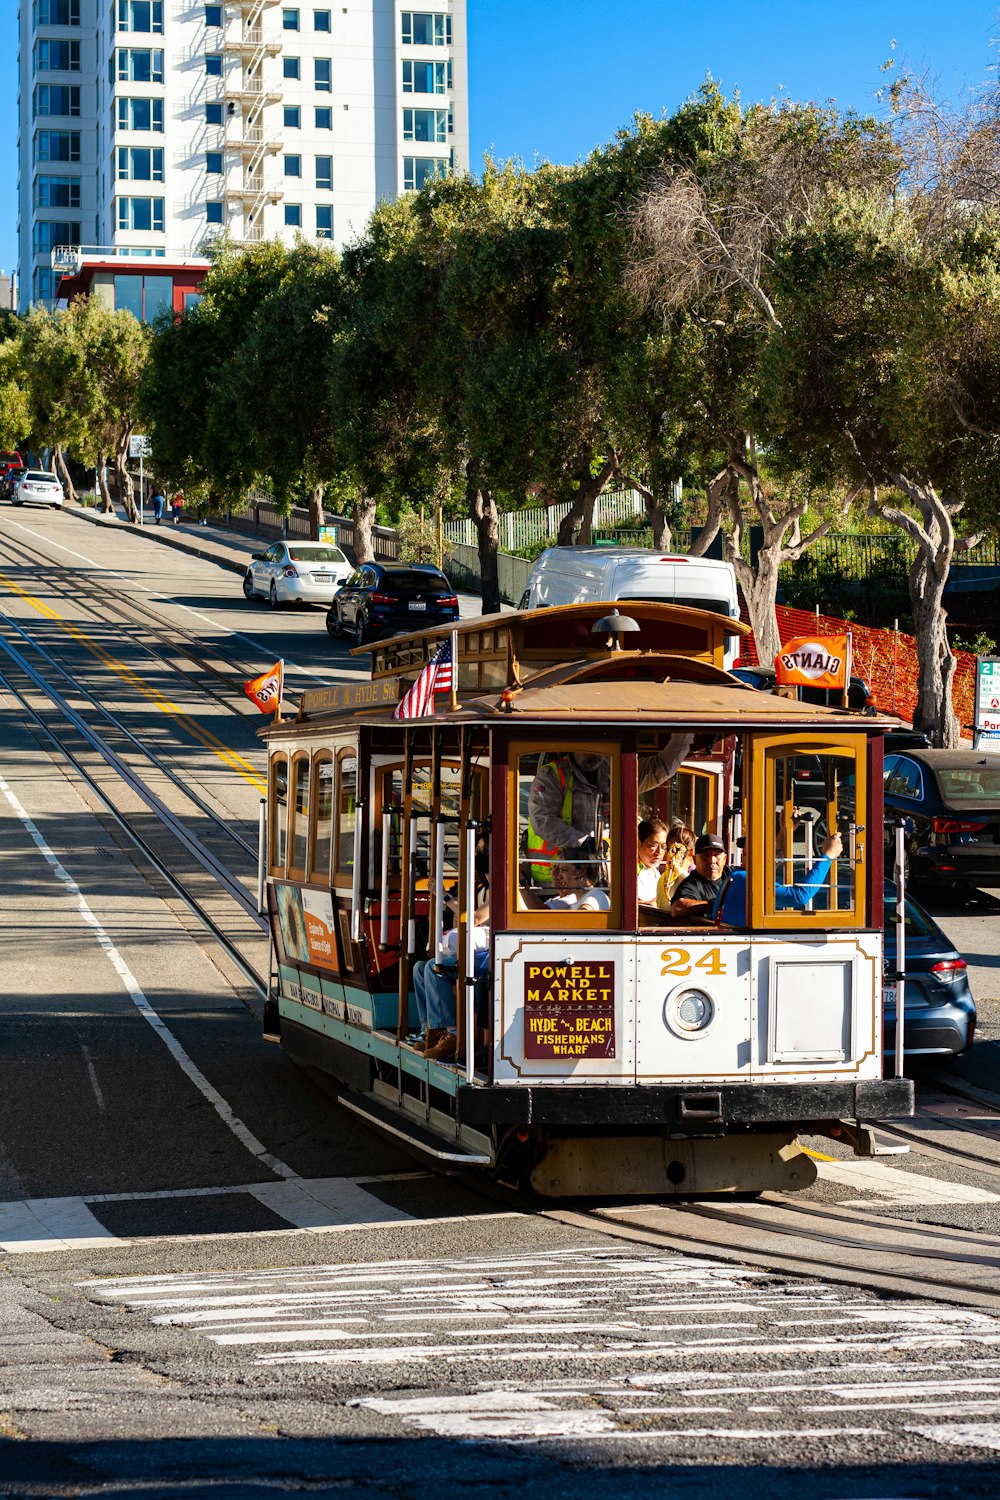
(536, 523)
(261, 518)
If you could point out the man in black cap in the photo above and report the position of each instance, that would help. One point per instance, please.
(695, 897)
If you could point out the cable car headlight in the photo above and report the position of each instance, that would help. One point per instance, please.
(689, 1011)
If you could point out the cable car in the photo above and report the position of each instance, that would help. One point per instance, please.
(593, 1042)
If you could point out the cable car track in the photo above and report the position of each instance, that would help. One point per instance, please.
(223, 879)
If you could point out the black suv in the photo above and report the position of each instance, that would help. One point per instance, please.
(391, 599)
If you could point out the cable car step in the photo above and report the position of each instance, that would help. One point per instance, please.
(397, 1122)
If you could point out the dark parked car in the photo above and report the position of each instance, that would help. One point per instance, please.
(940, 1010)
(951, 802)
(905, 739)
(859, 696)
(390, 599)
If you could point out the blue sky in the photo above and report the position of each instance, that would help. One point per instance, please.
(553, 78)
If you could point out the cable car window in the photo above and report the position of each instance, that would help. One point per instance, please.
(322, 804)
(347, 805)
(300, 816)
(390, 803)
(803, 842)
(564, 832)
(277, 821)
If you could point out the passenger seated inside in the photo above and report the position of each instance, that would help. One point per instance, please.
(574, 884)
(653, 837)
(694, 899)
(434, 984)
(679, 859)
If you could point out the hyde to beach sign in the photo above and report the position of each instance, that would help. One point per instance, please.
(569, 1011)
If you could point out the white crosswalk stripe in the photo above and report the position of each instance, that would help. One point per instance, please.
(670, 1348)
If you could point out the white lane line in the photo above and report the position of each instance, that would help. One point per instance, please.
(323, 1202)
(45, 1224)
(899, 1186)
(128, 578)
(130, 984)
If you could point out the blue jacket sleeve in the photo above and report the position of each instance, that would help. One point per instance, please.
(798, 896)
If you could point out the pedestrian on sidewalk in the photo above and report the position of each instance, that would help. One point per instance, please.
(176, 506)
(158, 507)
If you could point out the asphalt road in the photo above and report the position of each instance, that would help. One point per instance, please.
(217, 1281)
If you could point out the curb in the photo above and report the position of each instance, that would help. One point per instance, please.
(166, 539)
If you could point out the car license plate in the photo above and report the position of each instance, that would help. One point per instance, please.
(417, 604)
(322, 577)
(889, 994)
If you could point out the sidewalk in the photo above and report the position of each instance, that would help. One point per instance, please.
(228, 549)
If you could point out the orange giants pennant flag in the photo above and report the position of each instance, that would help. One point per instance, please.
(265, 690)
(814, 661)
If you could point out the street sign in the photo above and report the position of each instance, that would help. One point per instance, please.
(986, 723)
(139, 446)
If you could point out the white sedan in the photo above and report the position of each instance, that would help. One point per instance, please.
(37, 487)
(297, 573)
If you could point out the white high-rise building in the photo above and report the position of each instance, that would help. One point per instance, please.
(149, 127)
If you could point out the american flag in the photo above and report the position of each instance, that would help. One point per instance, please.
(418, 701)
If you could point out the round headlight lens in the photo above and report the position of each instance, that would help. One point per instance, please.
(689, 1011)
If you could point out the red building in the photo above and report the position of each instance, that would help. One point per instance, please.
(145, 282)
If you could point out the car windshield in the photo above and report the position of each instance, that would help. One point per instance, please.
(415, 583)
(979, 784)
(40, 476)
(318, 553)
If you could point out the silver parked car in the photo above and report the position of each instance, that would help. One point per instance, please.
(297, 573)
(37, 487)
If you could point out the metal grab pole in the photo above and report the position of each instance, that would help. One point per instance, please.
(470, 953)
(383, 931)
(434, 945)
(900, 873)
(356, 875)
(411, 921)
(261, 848)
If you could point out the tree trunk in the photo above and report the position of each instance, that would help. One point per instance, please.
(934, 714)
(483, 510)
(316, 513)
(715, 496)
(655, 514)
(107, 508)
(760, 590)
(582, 509)
(364, 521)
(126, 493)
(59, 464)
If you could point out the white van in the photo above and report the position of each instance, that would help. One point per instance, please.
(579, 575)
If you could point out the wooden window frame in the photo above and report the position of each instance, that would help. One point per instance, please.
(320, 758)
(273, 866)
(340, 876)
(298, 757)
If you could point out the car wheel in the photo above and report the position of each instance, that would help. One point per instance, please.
(248, 589)
(360, 630)
(272, 597)
(333, 624)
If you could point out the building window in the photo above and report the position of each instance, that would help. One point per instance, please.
(57, 12)
(322, 74)
(140, 65)
(44, 285)
(426, 125)
(145, 297)
(213, 112)
(140, 15)
(140, 114)
(213, 211)
(57, 145)
(422, 28)
(57, 57)
(140, 163)
(293, 166)
(324, 117)
(293, 215)
(57, 99)
(213, 163)
(324, 222)
(290, 67)
(141, 214)
(46, 236)
(213, 64)
(290, 19)
(321, 20)
(324, 171)
(419, 169)
(57, 192)
(293, 117)
(426, 77)
(213, 15)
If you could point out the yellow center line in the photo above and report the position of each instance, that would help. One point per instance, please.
(231, 758)
(818, 1155)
